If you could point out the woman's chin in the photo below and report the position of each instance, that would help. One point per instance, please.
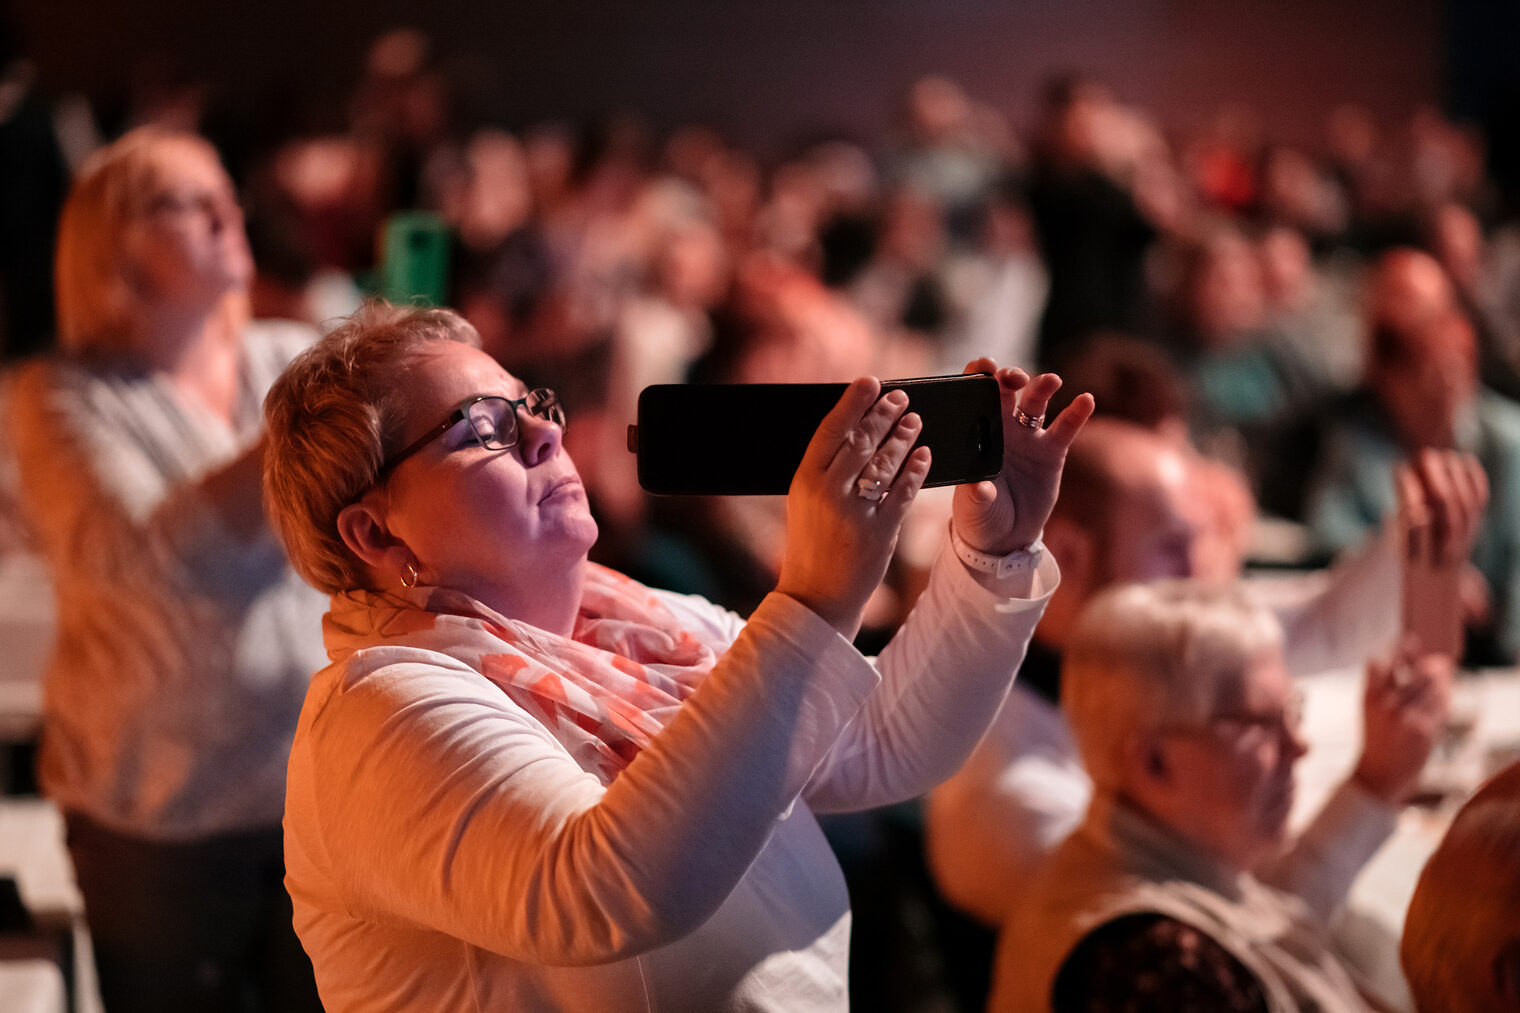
(581, 532)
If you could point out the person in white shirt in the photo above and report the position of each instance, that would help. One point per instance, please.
(527, 782)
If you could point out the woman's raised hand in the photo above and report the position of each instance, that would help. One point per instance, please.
(847, 502)
(1008, 512)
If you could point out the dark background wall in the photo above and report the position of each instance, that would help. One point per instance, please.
(768, 71)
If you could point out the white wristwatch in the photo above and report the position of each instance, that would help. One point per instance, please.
(1024, 560)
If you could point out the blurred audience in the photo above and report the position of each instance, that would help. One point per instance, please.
(600, 257)
(1092, 216)
(1190, 727)
(1421, 391)
(1134, 509)
(33, 178)
(1254, 393)
(995, 291)
(1139, 506)
(1486, 286)
(1461, 945)
(184, 640)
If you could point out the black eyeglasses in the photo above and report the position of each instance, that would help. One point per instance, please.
(493, 422)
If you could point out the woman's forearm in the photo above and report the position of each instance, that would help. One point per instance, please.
(944, 676)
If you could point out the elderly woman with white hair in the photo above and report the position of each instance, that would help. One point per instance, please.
(1188, 723)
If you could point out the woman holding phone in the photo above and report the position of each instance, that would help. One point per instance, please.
(527, 782)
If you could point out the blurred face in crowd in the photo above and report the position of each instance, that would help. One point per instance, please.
(1226, 782)
(913, 230)
(1426, 379)
(1287, 269)
(491, 198)
(692, 266)
(1156, 522)
(1227, 297)
(1083, 130)
(937, 109)
(186, 245)
(1130, 512)
(1407, 289)
(1457, 239)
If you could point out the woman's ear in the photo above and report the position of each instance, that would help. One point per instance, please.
(362, 526)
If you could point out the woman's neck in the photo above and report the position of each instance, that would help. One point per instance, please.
(550, 604)
(198, 350)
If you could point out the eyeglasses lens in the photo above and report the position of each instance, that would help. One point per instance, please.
(545, 404)
(494, 419)
(494, 422)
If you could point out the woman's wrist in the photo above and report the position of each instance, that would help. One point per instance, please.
(999, 566)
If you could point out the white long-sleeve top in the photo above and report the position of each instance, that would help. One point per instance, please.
(445, 852)
(182, 651)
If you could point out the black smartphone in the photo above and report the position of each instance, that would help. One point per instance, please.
(747, 439)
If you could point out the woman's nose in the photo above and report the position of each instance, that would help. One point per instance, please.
(538, 439)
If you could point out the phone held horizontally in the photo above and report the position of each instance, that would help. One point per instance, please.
(747, 439)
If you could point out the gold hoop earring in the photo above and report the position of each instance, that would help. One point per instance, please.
(409, 576)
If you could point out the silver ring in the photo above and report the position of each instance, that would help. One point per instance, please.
(872, 489)
(1023, 418)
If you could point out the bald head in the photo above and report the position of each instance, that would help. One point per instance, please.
(1461, 943)
(1128, 512)
(1407, 289)
(1129, 489)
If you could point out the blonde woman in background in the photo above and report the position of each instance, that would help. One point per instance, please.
(184, 640)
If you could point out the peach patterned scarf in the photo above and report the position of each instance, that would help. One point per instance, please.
(604, 692)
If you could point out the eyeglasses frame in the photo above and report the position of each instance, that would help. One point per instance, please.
(460, 413)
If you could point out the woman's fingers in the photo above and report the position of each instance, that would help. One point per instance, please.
(836, 426)
(1065, 427)
(909, 480)
(1035, 396)
(1012, 379)
(866, 437)
(845, 506)
(876, 478)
